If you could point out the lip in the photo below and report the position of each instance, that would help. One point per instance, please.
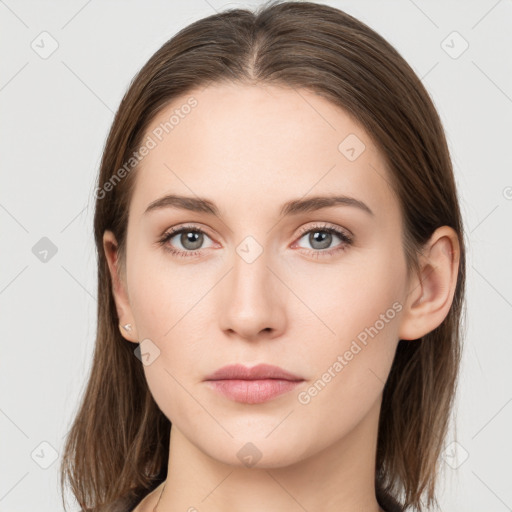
(258, 372)
(254, 385)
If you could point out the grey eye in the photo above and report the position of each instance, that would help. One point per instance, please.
(320, 238)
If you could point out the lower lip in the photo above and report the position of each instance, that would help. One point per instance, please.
(253, 391)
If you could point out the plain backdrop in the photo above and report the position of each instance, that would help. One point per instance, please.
(64, 68)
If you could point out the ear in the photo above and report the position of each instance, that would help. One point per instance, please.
(431, 294)
(119, 292)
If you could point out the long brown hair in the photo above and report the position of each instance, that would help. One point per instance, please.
(118, 446)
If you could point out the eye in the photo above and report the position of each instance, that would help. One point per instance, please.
(321, 237)
(191, 239)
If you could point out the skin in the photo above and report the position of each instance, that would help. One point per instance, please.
(250, 149)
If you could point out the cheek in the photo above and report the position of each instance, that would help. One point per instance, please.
(162, 293)
(361, 306)
(168, 310)
(171, 306)
(348, 374)
(344, 298)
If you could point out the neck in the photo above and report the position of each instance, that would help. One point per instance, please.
(340, 478)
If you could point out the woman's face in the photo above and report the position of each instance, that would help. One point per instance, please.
(263, 281)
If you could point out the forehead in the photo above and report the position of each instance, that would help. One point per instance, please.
(248, 147)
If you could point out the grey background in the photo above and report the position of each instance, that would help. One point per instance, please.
(56, 112)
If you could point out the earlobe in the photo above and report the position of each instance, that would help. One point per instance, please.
(429, 301)
(126, 322)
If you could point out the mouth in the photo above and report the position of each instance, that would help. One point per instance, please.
(254, 385)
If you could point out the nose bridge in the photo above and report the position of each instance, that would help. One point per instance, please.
(252, 299)
(250, 275)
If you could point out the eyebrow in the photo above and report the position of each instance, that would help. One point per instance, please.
(293, 207)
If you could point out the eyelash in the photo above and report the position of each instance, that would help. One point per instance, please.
(346, 240)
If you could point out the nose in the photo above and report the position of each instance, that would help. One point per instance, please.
(252, 300)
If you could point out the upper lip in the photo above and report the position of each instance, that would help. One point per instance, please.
(260, 371)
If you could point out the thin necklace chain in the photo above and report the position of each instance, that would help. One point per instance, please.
(156, 506)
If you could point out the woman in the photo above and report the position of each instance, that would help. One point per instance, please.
(281, 271)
